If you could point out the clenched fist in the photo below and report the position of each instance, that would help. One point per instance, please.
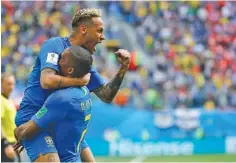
(123, 57)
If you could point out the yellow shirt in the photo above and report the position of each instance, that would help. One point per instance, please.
(8, 113)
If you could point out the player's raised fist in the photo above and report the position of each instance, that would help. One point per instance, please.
(123, 56)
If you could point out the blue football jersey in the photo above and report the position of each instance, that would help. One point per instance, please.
(35, 95)
(67, 113)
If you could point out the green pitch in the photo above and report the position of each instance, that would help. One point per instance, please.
(192, 158)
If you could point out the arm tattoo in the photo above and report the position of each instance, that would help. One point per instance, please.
(108, 91)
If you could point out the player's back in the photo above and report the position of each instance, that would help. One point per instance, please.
(69, 133)
(35, 95)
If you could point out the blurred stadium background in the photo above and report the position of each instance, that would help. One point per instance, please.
(179, 96)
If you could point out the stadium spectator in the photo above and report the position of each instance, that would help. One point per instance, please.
(194, 40)
(8, 112)
(192, 46)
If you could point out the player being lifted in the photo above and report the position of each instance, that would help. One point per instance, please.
(87, 31)
(66, 112)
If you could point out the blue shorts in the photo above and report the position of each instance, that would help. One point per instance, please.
(42, 143)
(83, 145)
(77, 158)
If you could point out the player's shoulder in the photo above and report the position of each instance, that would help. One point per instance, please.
(54, 40)
(73, 93)
(93, 69)
(58, 96)
(54, 44)
(64, 94)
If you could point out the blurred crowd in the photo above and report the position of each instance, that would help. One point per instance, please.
(191, 46)
(25, 26)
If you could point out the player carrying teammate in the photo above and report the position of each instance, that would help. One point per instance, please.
(68, 109)
(87, 30)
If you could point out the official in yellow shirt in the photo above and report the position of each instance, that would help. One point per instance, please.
(8, 113)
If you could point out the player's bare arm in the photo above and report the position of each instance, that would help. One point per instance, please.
(108, 91)
(26, 131)
(50, 80)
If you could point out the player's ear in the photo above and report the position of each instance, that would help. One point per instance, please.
(83, 29)
(70, 70)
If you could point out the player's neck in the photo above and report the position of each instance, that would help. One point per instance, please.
(75, 40)
(69, 76)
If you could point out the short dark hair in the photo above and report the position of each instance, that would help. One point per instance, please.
(84, 15)
(81, 60)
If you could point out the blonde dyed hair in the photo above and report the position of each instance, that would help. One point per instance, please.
(85, 16)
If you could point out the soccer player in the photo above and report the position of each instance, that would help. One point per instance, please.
(8, 113)
(66, 111)
(87, 30)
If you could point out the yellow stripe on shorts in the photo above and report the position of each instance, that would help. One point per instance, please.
(87, 117)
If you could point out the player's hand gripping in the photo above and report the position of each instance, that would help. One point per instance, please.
(85, 79)
(18, 147)
(123, 57)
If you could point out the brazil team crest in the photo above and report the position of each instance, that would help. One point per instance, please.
(49, 141)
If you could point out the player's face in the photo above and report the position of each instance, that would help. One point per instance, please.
(94, 34)
(65, 68)
(8, 84)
